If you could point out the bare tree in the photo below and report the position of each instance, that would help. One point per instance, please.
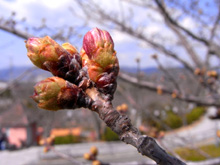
(193, 47)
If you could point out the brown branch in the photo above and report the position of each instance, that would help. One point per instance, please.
(121, 125)
(175, 23)
(12, 82)
(183, 40)
(214, 48)
(168, 75)
(132, 32)
(16, 32)
(137, 106)
(213, 31)
(154, 87)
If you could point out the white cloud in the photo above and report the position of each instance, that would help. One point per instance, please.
(56, 11)
(57, 15)
(120, 37)
(188, 23)
(54, 4)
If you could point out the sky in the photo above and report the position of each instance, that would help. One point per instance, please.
(13, 52)
(57, 14)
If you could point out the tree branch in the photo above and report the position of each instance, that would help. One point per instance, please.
(133, 33)
(163, 10)
(16, 32)
(182, 39)
(214, 48)
(122, 126)
(153, 87)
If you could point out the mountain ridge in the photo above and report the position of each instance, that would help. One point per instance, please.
(11, 73)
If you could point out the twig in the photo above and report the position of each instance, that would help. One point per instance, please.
(121, 125)
(153, 87)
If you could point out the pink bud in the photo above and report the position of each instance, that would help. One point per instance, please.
(99, 56)
(95, 39)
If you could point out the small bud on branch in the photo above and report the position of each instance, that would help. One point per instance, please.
(41, 50)
(99, 56)
(55, 93)
(62, 61)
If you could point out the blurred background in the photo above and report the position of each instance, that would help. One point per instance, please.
(168, 85)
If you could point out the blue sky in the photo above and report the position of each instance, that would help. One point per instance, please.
(13, 51)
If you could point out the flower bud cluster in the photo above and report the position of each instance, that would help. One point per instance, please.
(92, 156)
(63, 61)
(96, 66)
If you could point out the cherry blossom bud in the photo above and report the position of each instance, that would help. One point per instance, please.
(99, 56)
(70, 48)
(159, 90)
(41, 50)
(62, 61)
(96, 39)
(55, 93)
(87, 156)
(94, 150)
(96, 162)
(212, 73)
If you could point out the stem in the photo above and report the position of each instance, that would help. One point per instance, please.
(121, 125)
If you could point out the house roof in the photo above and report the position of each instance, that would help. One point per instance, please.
(14, 117)
(66, 131)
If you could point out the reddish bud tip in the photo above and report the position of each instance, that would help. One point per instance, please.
(95, 39)
(99, 56)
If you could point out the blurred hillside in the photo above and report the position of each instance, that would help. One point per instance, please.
(8, 74)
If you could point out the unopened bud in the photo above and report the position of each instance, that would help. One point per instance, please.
(159, 90)
(96, 39)
(218, 133)
(197, 71)
(212, 73)
(124, 107)
(47, 91)
(94, 150)
(55, 93)
(70, 48)
(99, 56)
(154, 56)
(42, 142)
(96, 162)
(87, 156)
(46, 149)
(41, 50)
(118, 108)
(174, 95)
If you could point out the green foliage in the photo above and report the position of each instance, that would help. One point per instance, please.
(193, 155)
(173, 120)
(109, 135)
(6, 94)
(195, 114)
(66, 139)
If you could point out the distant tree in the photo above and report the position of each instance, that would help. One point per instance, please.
(193, 45)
